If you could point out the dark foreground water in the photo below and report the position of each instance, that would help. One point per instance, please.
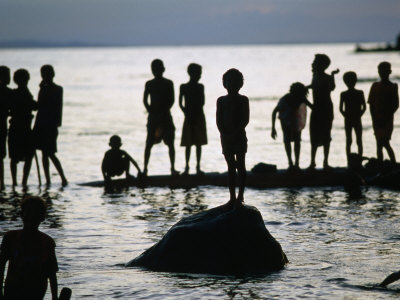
(338, 248)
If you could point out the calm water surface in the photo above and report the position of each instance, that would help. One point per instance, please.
(339, 248)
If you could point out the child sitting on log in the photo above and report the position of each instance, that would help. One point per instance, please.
(117, 161)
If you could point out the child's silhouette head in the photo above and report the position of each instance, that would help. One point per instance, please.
(350, 79)
(33, 212)
(157, 67)
(21, 77)
(115, 142)
(384, 70)
(194, 71)
(47, 72)
(298, 89)
(232, 80)
(321, 62)
(4, 75)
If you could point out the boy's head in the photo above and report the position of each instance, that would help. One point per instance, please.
(4, 75)
(115, 142)
(21, 77)
(321, 62)
(350, 79)
(157, 67)
(33, 212)
(384, 70)
(232, 80)
(298, 89)
(194, 71)
(47, 72)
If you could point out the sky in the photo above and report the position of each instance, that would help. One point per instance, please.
(201, 22)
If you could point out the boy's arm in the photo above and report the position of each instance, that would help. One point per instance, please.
(181, 98)
(363, 104)
(219, 117)
(246, 112)
(146, 98)
(341, 105)
(171, 96)
(203, 100)
(134, 163)
(396, 99)
(53, 286)
(308, 103)
(273, 132)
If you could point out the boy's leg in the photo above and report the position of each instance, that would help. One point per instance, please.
(230, 161)
(198, 157)
(349, 139)
(390, 152)
(46, 168)
(187, 157)
(57, 164)
(379, 150)
(358, 131)
(296, 153)
(313, 154)
(171, 152)
(241, 166)
(13, 168)
(27, 170)
(327, 145)
(288, 149)
(147, 152)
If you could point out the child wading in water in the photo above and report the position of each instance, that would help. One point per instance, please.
(194, 132)
(232, 118)
(117, 161)
(383, 101)
(292, 120)
(31, 256)
(352, 107)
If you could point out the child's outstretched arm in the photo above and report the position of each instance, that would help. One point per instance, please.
(134, 163)
(391, 278)
(273, 131)
(53, 286)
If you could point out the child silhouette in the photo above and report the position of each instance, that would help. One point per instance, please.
(5, 99)
(322, 113)
(117, 161)
(160, 125)
(31, 256)
(288, 109)
(232, 118)
(194, 130)
(352, 107)
(383, 102)
(20, 144)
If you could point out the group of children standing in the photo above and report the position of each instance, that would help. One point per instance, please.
(18, 105)
(383, 100)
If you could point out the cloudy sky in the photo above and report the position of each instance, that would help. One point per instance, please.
(190, 22)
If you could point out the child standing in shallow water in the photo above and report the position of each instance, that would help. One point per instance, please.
(352, 107)
(194, 130)
(31, 256)
(232, 118)
(383, 101)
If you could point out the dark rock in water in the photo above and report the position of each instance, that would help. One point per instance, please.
(216, 241)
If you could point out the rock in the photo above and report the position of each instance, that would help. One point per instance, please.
(216, 241)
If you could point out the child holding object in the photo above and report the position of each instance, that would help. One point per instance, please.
(292, 113)
(31, 256)
(383, 102)
(232, 118)
(352, 107)
(117, 161)
(191, 101)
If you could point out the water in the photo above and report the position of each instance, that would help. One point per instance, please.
(338, 248)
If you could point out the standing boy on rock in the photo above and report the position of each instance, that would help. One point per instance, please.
(232, 118)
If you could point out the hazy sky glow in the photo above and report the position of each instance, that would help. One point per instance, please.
(160, 22)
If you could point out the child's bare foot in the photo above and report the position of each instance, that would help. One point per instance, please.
(186, 172)
(174, 172)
